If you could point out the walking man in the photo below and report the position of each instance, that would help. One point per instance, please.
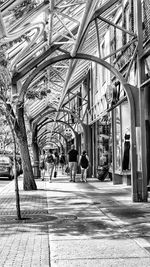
(50, 164)
(73, 161)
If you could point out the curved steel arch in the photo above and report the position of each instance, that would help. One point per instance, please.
(112, 70)
(46, 132)
(46, 122)
(54, 140)
(53, 137)
(47, 112)
(69, 57)
(51, 142)
(63, 122)
(90, 58)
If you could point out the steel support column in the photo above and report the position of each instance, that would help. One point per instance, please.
(141, 76)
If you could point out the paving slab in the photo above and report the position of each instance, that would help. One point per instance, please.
(132, 262)
(73, 224)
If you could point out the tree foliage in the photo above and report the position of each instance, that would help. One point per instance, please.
(16, 121)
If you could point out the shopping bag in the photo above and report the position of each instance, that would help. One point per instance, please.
(55, 174)
(67, 169)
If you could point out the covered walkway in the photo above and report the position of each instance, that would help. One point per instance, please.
(78, 72)
(74, 224)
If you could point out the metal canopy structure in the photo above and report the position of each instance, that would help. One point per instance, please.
(35, 31)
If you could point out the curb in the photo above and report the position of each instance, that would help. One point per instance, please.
(6, 186)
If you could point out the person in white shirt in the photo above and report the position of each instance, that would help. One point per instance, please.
(42, 165)
(50, 160)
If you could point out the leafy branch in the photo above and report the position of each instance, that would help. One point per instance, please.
(24, 8)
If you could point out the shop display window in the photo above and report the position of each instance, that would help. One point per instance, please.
(125, 126)
(114, 150)
(103, 136)
(121, 130)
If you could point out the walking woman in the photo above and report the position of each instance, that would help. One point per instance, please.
(50, 160)
(42, 165)
(84, 164)
(62, 161)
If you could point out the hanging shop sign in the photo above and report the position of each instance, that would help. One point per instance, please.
(113, 93)
(68, 133)
(109, 94)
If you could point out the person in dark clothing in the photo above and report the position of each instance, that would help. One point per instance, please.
(62, 161)
(126, 156)
(56, 160)
(84, 164)
(50, 160)
(73, 161)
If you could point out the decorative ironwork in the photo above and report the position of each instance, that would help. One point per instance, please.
(5, 78)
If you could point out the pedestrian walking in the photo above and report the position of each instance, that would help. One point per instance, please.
(62, 161)
(56, 160)
(50, 159)
(84, 164)
(42, 164)
(73, 161)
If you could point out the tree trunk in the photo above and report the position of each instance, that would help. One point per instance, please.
(15, 171)
(28, 178)
(35, 150)
(7, 115)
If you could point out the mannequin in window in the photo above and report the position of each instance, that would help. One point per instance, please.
(125, 162)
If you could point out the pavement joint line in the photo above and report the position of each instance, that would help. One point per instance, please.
(143, 244)
(140, 241)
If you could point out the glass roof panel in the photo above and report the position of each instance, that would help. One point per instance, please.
(32, 31)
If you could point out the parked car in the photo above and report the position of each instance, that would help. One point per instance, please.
(6, 167)
(19, 164)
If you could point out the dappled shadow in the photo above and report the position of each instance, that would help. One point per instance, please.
(83, 211)
(65, 228)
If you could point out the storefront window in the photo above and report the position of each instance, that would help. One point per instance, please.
(125, 118)
(103, 137)
(110, 155)
(122, 137)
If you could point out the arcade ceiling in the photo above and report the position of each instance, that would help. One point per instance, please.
(34, 32)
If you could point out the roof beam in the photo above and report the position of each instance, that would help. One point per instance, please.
(116, 26)
(51, 22)
(18, 75)
(2, 27)
(145, 53)
(104, 8)
(11, 3)
(21, 74)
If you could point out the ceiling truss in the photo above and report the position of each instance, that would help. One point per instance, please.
(51, 30)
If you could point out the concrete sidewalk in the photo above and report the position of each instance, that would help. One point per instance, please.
(74, 224)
